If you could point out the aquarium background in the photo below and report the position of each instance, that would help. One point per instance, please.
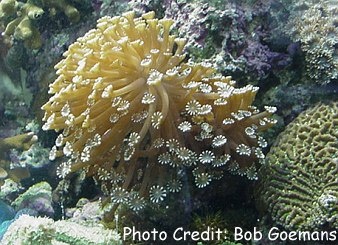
(250, 143)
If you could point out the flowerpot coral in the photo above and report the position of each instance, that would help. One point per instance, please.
(133, 112)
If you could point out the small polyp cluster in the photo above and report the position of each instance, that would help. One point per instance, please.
(132, 113)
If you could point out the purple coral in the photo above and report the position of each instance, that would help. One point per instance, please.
(261, 59)
(42, 205)
(38, 198)
(190, 19)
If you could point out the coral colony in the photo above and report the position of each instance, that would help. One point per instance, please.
(303, 163)
(132, 113)
(314, 26)
(140, 106)
(21, 17)
(18, 142)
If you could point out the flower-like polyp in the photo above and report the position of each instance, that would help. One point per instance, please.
(132, 112)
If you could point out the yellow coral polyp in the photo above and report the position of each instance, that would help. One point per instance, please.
(133, 112)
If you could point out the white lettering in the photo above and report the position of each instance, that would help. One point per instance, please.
(143, 236)
(126, 232)
(238, 233)
(209, 234)
(248, 235)
(179, 238)
(163, 236)
(273, 234)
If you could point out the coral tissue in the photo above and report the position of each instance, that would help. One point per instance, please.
(133, 112)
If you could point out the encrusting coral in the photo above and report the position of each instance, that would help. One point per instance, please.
(38, 198)
(20, 142)
(298, 184)
(133, 113)
(20, 18)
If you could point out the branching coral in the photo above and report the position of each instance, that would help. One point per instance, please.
(22, 27)
(7, 8)
(62, 6)
(20, 18)
(133, 113)
(298, 184)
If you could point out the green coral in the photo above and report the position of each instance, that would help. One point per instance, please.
(42, 189)
(7, 8)
(36, 156)
(22, 26)
(27, 230)
(69, 10)
(8, 188)
(298, 184)
(21, 18)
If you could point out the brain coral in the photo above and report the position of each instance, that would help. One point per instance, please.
(298, 184)
(133, 113)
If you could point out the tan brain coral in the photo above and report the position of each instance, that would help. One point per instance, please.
(298, 185)
(132, 112)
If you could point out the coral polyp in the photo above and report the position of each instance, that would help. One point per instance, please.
(132, 112)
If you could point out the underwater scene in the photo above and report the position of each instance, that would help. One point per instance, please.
(168, 122)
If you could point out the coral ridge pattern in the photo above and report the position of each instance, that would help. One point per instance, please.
(298, 185)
